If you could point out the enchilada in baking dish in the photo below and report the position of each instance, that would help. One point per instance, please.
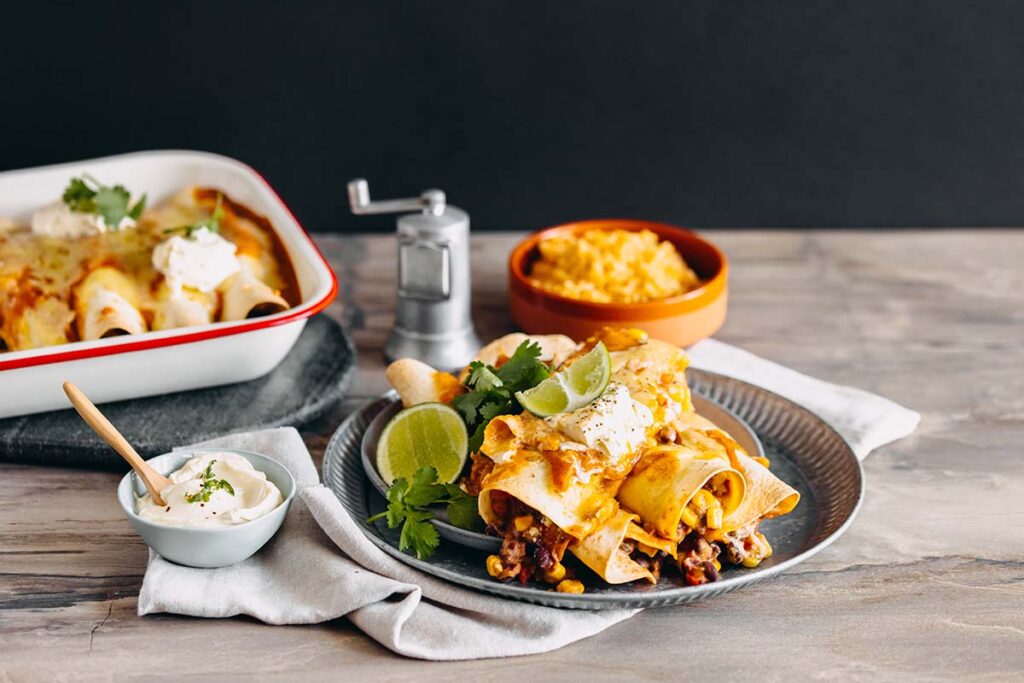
(98, 263)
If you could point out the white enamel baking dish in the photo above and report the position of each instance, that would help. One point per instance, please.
(170, 360)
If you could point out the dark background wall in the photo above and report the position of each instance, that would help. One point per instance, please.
(863, 113)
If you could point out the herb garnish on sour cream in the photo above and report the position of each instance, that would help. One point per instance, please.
(209, 486)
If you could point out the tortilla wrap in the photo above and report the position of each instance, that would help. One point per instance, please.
(602, 550)
(766, 495)
(655, 374)
(416, 382)
(185, 308)
(246, 296)
(668, 476)
(105, 305)
(528, 476)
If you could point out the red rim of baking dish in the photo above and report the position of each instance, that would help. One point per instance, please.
(695, 299)
(289, 316)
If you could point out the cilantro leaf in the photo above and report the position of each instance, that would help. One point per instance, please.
(468, 406)
(492, 391)
(423, 490)
(462, 508)
(209, 486)
(489, 411)
(79, 196)
(111, 203)
(395, 514)
(476, 439)
(482, 378)
(424, 476)
(419, 535)
(524, 369)
(407, 503)
(212, 223)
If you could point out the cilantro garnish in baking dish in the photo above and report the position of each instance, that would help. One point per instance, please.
(212, 223)
(112, 203)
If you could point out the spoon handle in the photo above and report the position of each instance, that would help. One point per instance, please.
(154, 481)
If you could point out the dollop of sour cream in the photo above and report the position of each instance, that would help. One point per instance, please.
(201, 261)
(615, 423)
(249, 497)
(58, 220)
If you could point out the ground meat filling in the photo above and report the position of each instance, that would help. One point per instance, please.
(531, 547)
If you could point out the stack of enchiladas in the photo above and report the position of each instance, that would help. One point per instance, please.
(633, 484)
(96, 264)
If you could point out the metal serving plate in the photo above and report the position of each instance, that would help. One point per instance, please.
(804, 451)
(722, 417)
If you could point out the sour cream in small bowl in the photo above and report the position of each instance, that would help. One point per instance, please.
(221, 507)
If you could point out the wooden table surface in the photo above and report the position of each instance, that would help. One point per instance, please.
(928, 583)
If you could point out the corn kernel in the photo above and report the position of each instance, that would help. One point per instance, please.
(569, 586)
(715, 517)
(556, 573)
(751, 562)
(689, 517)
(607, 510)
(494, 565)
(523, 522)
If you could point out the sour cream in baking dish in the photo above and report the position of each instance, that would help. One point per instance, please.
(201, 260)
(212, 489)
(58, 220)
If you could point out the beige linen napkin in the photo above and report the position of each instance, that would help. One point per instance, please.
(321, 567)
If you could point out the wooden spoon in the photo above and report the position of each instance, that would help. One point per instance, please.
(153, 480)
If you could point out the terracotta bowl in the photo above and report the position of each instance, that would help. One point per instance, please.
(681, 320)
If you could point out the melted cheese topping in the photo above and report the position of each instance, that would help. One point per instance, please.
(41, 267)
(58, 220)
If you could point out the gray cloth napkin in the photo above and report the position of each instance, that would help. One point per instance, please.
(320, 566)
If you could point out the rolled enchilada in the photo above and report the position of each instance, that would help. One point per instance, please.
(703, 521)
(540, 490)
(105, 305)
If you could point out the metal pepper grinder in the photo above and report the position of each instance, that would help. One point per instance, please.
(433, 323)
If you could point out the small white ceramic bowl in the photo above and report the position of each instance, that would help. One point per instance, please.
(217, 547)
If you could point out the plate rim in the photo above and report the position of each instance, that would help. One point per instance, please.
(607, 600)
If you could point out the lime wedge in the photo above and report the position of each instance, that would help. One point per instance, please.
(425, 435)
(572, 388)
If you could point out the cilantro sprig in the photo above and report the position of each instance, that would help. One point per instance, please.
(209, 486)
(492, 391)
(112, 203)
(212, 223)
(407, 507)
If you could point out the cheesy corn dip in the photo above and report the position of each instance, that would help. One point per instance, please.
(612, 266)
